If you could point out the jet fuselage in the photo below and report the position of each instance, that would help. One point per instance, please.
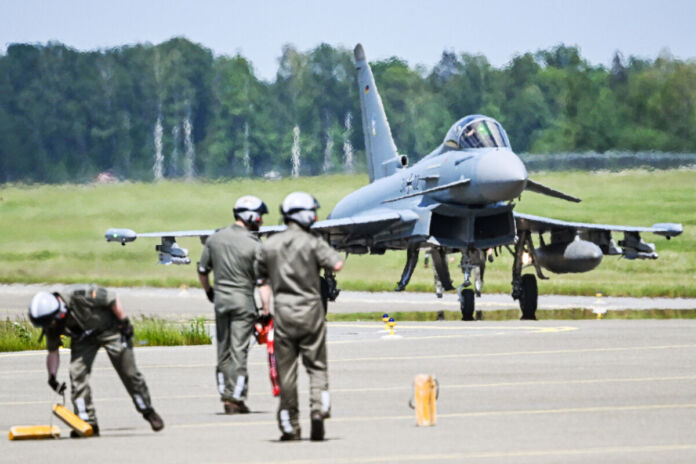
(494, 175)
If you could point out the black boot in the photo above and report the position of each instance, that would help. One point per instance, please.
(154, 419)
(317, 433)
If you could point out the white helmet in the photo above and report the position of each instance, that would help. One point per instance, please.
(249, 209)
(300, 207)
(45, 308)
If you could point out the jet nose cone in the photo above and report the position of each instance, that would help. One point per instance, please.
(501, 176)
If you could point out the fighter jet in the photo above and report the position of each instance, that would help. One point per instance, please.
(460, 199)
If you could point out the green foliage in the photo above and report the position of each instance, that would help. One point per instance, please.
(19, 335)
(153, 331)
(66, 116)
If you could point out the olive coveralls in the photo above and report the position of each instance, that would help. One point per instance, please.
(230, 254)
(91, 324)
(290, 262)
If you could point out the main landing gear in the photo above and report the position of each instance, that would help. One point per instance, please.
(524, 287)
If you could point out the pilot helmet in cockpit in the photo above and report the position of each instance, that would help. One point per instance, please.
(476, 131)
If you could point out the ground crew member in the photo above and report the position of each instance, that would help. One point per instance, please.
(289, 264)
(230, 254)
(93, 317)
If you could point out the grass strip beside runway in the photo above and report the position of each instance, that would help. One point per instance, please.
(21, 335)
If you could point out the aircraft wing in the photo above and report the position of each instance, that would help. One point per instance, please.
(356, 233)
(632, 246)
(341, 233)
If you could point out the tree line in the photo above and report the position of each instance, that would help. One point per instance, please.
(174, 110)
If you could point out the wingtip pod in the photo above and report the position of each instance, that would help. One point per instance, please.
(359, 53)
(668, 229)
(122, 236)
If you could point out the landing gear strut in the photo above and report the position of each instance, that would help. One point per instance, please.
(524, 287)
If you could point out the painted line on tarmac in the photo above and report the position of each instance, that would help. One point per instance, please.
(432, 457)
(530, 328)
(338, 391)
(397, 358)
(472, 414)
(512, 353)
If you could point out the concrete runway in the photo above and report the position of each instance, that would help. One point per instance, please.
(191, 302)
(510, 392)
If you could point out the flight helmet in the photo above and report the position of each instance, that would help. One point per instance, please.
(249, 210)
(46, 307)
(301, 208)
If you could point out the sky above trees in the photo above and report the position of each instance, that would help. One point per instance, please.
(414, 30)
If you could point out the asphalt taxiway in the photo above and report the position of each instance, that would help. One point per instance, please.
(510, 392)
(185, 303)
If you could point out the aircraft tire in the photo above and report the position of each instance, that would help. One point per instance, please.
(529, 297)
(467, 305)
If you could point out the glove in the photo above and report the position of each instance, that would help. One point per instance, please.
(211, 295)
(126, 329)
(55, 386)
(264, 319)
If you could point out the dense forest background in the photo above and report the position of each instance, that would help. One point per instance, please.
(174, 110)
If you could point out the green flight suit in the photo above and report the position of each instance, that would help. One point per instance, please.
(290, 263)
(230, 254)
(91, 324)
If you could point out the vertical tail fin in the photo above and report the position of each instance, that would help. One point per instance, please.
(382, 157)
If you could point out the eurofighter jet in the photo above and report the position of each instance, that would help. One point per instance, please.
(457, 199)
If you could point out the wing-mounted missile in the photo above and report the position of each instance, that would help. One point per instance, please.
(169, 252)
(635, 248)
(122, 236)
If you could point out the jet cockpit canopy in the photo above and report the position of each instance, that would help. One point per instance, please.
(476, 131)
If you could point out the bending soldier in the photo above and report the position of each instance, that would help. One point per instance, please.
(230, 254)
(289, 263)
(92, 317)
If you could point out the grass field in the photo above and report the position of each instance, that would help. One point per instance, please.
(54, 234)
(20, 334)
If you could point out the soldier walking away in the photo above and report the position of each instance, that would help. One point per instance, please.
(229, 254)
(92, 317)
(288, 264)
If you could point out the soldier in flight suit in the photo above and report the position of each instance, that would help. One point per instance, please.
(289, 263)
(230, 254)
(93, 317)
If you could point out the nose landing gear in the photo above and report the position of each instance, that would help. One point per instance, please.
(473, 264)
